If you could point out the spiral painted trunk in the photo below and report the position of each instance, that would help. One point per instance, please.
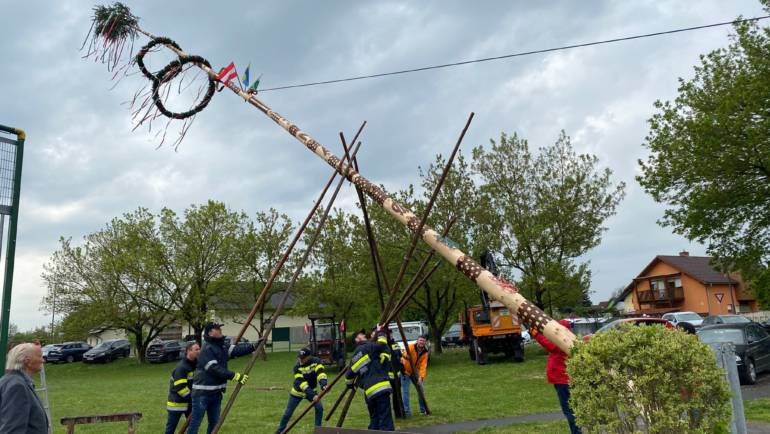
(497, 288)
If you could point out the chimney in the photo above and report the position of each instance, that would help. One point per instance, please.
(684, 253)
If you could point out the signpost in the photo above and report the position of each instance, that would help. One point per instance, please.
(11, 157)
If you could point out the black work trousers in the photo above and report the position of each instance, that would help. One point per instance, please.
(380, 417)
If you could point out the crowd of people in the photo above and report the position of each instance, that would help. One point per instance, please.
(199, 380)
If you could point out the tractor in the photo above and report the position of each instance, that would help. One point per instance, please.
(326, 339)
(490, 327)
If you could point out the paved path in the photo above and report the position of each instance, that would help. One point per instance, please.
(759, 390)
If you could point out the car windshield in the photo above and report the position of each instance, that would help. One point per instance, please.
(734, 319)
(608, 326)
(51, 346)
(102, 346)
(454, 328)
(722, 335)
(412, 332)
(688, 317)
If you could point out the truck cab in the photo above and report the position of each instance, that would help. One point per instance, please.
(491, 329)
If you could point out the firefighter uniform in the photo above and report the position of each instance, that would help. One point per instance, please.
(179, 393)
(211, 376)
(309, 373)
(396, 369)
(369, 370)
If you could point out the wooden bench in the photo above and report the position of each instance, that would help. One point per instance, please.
(131, 418)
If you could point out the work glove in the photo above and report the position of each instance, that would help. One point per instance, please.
(533, 332)
(240, 378)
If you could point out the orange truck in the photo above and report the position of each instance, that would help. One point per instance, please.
(491, 328)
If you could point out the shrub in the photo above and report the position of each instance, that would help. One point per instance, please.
(647, 380)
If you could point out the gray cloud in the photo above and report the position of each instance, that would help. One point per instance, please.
(85, 166)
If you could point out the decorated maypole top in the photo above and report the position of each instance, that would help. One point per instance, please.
(113, 33)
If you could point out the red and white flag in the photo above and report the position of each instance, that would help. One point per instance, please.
(224, 72)
(342, 326)
(307, 329)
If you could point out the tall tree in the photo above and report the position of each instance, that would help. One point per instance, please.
(710, 156)
(339, 279)
(260, 245)
(546, 210)
(202, 256)
(100, 276)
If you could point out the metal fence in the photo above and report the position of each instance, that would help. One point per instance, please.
(725, 355)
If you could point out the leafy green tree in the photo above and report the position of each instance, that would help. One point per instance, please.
(101, 276)
(545, 211)
(647, 379)
(260, 245)
(200, 255)
(339, 278)
(710, 156)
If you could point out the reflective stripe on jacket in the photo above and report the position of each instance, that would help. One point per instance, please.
(307, 377)
(371, 364)
(179, 392)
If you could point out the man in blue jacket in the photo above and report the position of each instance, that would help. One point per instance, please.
(309, 373)
(369, 370)
(211, 377)
(179, 392)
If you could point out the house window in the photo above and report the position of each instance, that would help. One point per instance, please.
(659, 287)
(674, 282)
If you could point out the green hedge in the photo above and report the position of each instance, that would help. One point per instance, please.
(647, 379)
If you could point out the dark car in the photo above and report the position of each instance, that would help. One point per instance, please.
(635, 321)
(67, 352)
(452, 336)
(752, 346)
(725, 319)
(165, 351)
(48, 348)
(108, 351)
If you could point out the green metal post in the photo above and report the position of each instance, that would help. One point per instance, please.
(11, 249)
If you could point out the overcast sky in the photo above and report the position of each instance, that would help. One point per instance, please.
(83, 165)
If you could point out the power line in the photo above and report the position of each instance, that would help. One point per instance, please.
(521, 54)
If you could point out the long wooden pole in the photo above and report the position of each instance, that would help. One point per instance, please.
(279, 308)
(498, 288)
(263, 295)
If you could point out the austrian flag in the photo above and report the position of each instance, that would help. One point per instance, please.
(229, 70)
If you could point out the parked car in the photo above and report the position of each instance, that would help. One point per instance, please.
(689, 317)
(752, 346)
(725, 319)
(412, 330)
(452, 336)
(165, 351)
(635, 321)
(46, 349)
(108, 351)
(68, 352)
(587, 326)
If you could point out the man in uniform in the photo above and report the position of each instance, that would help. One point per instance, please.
(179, 393)
(309, 373)
(369, 370)
(396, 369)
(211, 376)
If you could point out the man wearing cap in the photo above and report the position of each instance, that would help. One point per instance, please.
(179, 393)
(308, 374)
(369, 370)
(211, 376)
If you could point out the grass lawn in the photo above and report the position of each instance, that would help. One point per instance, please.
(456, 389)
(552, 427)
(757, 410)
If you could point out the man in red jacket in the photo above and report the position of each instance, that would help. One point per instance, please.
(556, 373)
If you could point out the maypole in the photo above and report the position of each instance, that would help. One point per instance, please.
(114, 26)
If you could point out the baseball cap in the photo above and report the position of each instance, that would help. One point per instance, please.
(210, 326)
(304, 353)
